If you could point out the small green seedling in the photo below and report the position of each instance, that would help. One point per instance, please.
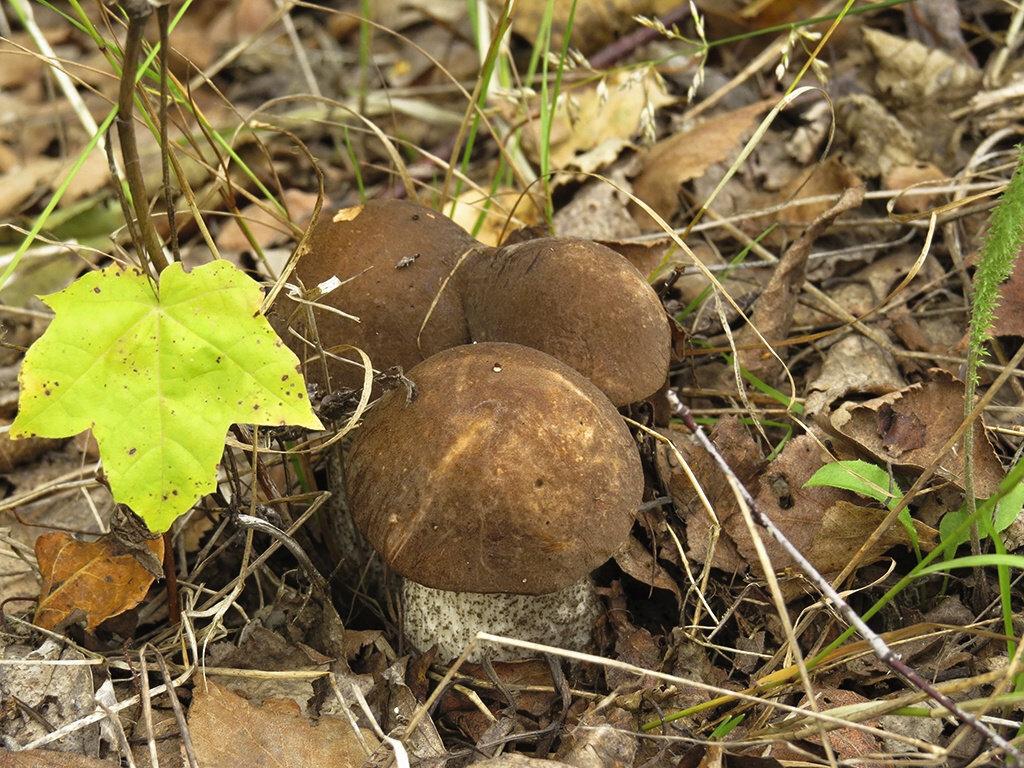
(953, 528)
(867, 480)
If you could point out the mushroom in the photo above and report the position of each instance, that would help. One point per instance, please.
(578, 301)
(494, 491)
(392, 256)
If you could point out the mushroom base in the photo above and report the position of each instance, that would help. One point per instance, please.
(450, 620)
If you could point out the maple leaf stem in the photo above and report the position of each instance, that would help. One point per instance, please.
(171, 580)
(150, 249)
(884, 653)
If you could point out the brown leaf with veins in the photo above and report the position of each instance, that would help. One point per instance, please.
(89, 580)
(909, 427)
(688, 155)
(826, 524)
(229, 731)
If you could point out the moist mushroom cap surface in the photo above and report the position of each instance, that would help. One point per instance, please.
(576, 300)
(508, 472)
(392, 256)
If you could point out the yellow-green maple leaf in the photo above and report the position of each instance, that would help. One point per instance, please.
(159, 376)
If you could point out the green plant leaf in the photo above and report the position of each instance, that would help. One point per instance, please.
(857, 476)
(1008, 510)
(159, 376)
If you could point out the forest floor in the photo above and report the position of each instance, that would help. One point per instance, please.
(810, 202)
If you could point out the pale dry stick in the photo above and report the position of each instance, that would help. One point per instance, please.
(756, 517)
(255, 523)
(70, 481)
(397, 747)
(213, 605)
(147, 706)
(982, 191)
(105, 698)
(988, 99)
(1011, 41)
(746, 502)
(868, 710)
(349, 715)
(754, 67)
(721, 693)
(179, 713)
(285, 9)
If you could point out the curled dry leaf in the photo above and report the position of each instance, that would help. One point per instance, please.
(911, 73)
(908, 429)
(854, 365)
(878, 141)
(89, 580)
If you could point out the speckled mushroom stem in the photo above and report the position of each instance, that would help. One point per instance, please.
(450, 620)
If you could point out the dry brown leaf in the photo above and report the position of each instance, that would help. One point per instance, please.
(832, 177)
(47, 758)
(1009, 319)
(596, 121)
(734, 442)
(908, 428)
(920, 174)
(597, 212)
(604, 738)
(18, 186)
(911, 73)
(845, 527)
(878, 141)
(14, 453)
(638, 561)
(229, 731)
(91, 580)
(825, 524)
(687, 155)
(854, 365)
(773, 313)
(848, 744)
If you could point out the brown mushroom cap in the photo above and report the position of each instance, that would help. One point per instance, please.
(394, 255)
(508, 472)
(578, 301)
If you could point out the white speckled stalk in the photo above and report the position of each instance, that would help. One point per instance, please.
(451, 620)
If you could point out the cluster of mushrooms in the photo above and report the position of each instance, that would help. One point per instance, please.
(503, 474)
